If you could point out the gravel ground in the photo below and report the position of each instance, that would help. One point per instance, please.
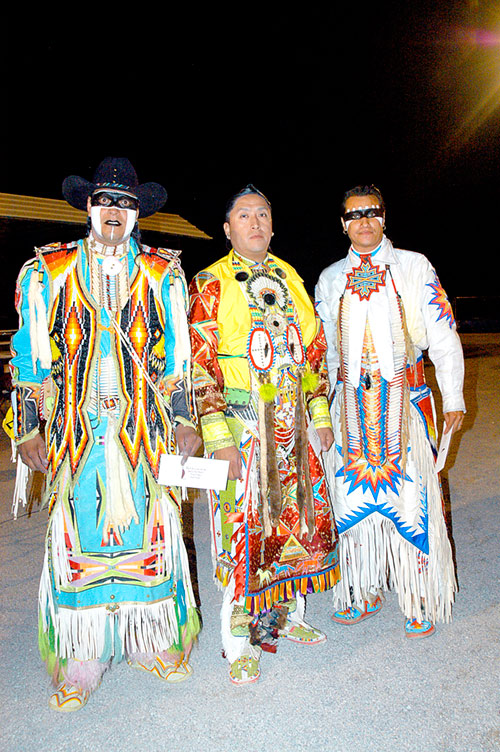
(367, 688)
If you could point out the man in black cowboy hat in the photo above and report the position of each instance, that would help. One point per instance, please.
(102, 359)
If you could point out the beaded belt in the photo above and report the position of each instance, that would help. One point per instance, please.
(415, 375)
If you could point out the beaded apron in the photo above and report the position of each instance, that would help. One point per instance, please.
(271, 565)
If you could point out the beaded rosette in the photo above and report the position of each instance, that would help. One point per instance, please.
(274, 340)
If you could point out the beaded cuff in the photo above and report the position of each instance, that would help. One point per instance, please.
(25, 408)
(180, 420)
(216, 433)
(27, 437)
(320, 414)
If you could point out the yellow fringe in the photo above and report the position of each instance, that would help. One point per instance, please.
(222, 574)
(285, 591)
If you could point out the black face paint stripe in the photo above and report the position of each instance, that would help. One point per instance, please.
(114, 199)
(370, 212)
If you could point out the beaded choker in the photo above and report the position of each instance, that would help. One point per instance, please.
(109, 279)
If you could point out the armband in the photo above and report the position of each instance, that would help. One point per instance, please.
(320, 414)
(216, 433)
(25, 408)
(180, 420)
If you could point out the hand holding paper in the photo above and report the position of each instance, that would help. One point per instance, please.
(188, 441)
(452, 422)
(443, 450)
(196, 472)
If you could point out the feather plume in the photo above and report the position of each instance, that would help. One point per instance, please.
(310, 382)
(267, 391)
(39, 333)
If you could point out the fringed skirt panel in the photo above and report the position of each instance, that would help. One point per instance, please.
(111, 589)
(266, 569)
(390, 517)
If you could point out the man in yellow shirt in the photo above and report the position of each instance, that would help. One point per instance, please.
(258, 370)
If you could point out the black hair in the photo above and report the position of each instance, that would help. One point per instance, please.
(136, 235)
(362, 190)
(248, 189)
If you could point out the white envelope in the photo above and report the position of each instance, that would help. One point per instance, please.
(443, 450)
(197, 472)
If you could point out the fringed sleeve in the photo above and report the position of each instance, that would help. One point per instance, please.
(29, 366)
(30, 363)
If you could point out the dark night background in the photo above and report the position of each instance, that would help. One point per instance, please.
(304, 104)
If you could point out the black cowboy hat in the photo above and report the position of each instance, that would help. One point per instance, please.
(115, 173)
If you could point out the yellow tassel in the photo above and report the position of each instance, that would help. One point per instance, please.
(267, 392)
(310, 382)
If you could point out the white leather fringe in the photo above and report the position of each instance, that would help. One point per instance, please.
(374, 556)
(80, 633)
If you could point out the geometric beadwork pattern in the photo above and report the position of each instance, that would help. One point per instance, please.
(440, 301)
(73, 331)
(72, 328)
(142, 321)
(265, 568)
(365, 279)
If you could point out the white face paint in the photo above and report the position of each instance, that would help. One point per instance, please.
(112, 226)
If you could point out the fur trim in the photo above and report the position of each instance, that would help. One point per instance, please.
(275, 500)
(269, 473)
(85, 675)
(304, 489)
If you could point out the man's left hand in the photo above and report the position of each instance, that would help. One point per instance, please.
(326, 438)
(188, 441)
(453, 421)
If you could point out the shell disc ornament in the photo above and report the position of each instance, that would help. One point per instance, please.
(112, 266)
(294, 344)
(275, 322)
(261, 349)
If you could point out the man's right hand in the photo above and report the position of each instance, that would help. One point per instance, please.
(235, 465)
(34, 454)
